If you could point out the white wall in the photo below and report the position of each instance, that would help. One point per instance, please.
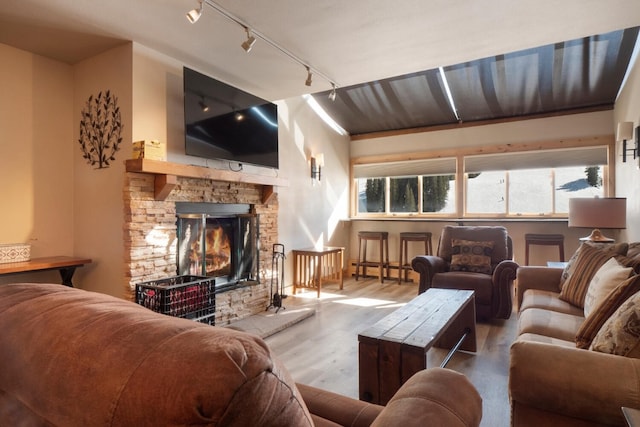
(628, 174)
(36, 167)
(311, 214)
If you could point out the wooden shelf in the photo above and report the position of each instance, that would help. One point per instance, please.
(166, 174)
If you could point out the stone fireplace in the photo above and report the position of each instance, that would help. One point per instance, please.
(151, 235)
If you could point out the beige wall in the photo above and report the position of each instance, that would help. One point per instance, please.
(36, 165)
(98, 202)
(547, 129)
(628, 174)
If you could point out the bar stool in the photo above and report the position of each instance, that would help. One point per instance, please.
(403, 258)
(543, 240)
(382, 237)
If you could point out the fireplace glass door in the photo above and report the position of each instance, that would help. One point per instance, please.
(224, 247)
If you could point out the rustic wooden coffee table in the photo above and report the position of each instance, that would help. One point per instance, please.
(395, 348)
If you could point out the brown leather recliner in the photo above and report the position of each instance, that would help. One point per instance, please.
(493, 291)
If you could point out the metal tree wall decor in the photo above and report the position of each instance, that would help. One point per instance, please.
(101, 129)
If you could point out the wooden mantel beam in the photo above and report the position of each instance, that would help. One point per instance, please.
(167, 173)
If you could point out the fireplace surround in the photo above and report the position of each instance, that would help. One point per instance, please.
(151, 236)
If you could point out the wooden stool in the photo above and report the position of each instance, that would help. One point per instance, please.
(543, 240)
(403, 258)
(382, 237)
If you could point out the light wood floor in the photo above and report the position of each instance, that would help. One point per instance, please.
(322, 350)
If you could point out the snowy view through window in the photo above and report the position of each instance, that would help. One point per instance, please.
(530, 192)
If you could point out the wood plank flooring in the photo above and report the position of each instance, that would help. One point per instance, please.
(322, 350)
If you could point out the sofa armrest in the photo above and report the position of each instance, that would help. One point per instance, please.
(427, 266)
(337, 408)
(574, 382)
(503, 277)
(433, 397)
(536, 277)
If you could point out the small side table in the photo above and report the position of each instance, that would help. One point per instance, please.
(312, 267)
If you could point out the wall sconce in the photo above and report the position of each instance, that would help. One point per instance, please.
(624, 134)
(317, 163)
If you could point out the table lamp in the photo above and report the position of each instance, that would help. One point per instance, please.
(597, 213)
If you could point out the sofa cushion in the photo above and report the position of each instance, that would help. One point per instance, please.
(545, 339)
(586, 265)
(614, 249)
(480, 283)
(606, 279)
(621, 332)
(470, 255)
(549, 323)
(548, 300)
(605, 309)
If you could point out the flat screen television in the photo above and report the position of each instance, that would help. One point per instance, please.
(226, 123)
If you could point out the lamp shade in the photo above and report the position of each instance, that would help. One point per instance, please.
(598, 212)
(624, 131)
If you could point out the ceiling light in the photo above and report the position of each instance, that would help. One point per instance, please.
(248, 44)
(308, 81)
(195, 14)
(332, 95)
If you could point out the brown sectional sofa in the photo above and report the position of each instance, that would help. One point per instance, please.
(551, 381)
(76, 358)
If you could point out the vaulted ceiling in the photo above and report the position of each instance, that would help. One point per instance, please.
(490, 51)
(567, 76)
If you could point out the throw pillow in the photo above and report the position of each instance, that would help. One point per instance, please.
(604, 281)
(621, 333)
(626, 261)
(587, 263)
(472, 256)
(615, 249)
(603, 311)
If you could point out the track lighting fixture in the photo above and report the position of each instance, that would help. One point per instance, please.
(248, 44)
(194, 14)
(308, 81)
(253, 35)
(203, 105)
(332, 95)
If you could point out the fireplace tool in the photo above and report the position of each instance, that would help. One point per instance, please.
(277, 278)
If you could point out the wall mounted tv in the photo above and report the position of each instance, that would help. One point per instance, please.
(226, 123)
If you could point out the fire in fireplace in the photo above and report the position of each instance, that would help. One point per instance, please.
(218, 240)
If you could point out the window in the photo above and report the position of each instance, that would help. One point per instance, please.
(415, 187)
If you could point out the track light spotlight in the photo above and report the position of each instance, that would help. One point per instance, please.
(248, 44)
(332, 95)
(308, 81)
(194, 14)
(203, 105)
